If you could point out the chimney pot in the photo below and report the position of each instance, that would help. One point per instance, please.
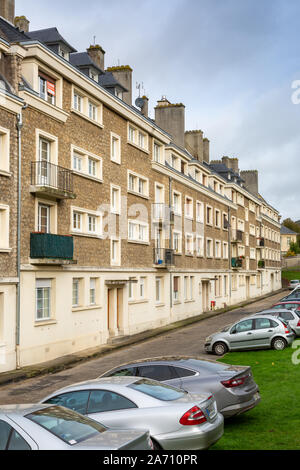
(123, 74)
(7, 10)
(97, 54)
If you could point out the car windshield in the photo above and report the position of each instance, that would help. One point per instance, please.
(67, 425)
(157, 390)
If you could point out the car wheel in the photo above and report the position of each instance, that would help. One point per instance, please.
(220, 349)
(279, 344)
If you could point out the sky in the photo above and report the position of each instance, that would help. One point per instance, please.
(235, 64)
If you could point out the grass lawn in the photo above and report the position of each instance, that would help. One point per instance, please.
(289, 275)
(275, 423)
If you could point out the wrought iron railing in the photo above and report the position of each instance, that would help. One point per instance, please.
(47, 174)
(163, 257)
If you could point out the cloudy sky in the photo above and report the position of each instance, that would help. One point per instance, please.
(231, 62)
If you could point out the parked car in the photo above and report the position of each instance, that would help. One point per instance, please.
(290, 317)
(250, 333)
(294, 283)
(176, 419)
(288, 305)
(292, 296)
(233, 387)
(48, 427)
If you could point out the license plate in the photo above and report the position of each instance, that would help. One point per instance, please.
(210, 410)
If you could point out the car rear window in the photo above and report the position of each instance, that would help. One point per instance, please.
(157, 390)
(67, 425)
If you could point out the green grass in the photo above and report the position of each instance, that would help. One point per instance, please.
(289, 275)
(275, 423)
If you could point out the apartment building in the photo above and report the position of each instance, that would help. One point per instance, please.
(121, 223)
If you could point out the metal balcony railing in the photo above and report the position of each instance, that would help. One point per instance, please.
(261, 242)
(236, 236)
(163, 257)
(162, 213)
(47, 245)
(236, 262)
(45, 174)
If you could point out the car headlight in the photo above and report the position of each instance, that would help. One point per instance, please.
(209, 339)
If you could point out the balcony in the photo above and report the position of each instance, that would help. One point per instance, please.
(46, 248)
(236, 263)
(51, 180)
(163, 257)
(261, 264)
(163, 214)
(260, 242)
(236, 236)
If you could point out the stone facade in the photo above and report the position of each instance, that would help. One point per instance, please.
(93, 175)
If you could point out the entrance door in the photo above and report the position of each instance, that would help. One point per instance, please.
(247, 287)
(115, 317)
(205, 294)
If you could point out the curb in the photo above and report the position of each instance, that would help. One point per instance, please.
(69, 361)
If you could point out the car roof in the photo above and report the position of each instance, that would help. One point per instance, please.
(254, 317)
(171, 360)
(276, 311)
(120, 381)
(22, 410)
(288, 302)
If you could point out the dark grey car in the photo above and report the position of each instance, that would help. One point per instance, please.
(233, 387)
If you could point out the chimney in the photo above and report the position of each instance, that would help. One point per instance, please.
(171, 118)
(123, 74)
(97, 54)
(232, 163)
(145, 107)
(194, 143)
(22, 23)
(7, 10)
(251, 180)
(206, 150)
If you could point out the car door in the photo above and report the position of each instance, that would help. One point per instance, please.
(161, 373)
(242, 335)
(113, 410)
(264, 330)
(12, 439)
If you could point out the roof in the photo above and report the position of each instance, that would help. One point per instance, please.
(287, 231)
(49, 36)
(82, 60)
(108, 80)
(10, 33)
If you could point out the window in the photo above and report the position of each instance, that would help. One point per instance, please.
(177, 203)
(159, 391)
(131, 134)
(157, 372)
(209, 248)
(142, 287)
(245, 325)
(189, 207)
(86, 163)
(93, 291)
(77, 101)
(217, 218)
(47, 88)
(157, 153)
(76, 401)
(86, 222)
(92, 111)
(43, 292)
(10, 439)
(209, 215)
(4, 227)
(138, 184)
(115, 148)
(115, 199)
(76, 292)
(138, 231)
(102, 401)
(158, 289)
(189, 244)
(200, 245)
(44, 218)
(262, 323)
(177, 242)
(176, 285)
(137, 137)
(217, 249)
(4, 149)
(115, 252)
(174, 162)
(200, 212)
(225, 250)
(188, 288)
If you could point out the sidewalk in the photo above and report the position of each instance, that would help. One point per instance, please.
(71, 360)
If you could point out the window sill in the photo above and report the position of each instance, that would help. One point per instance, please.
(96, 123)
(139, 301)
(45, 323)
(160, 304)
(144, 196)
(176, 302)
(138, 147)
(87, 235)
(89, 307)
(189, 301)
(113, 160)
(90, 177)
(137, 242)
(5, 250)
(8, 174)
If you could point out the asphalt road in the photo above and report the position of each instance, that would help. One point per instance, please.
(187, 341)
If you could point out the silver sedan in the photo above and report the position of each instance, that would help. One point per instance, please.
(48, 427)
(176, 419)
(255, 332)
(233, 387)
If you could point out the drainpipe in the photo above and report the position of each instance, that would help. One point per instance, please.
(229, 254)
(170, 239)
(19, 128)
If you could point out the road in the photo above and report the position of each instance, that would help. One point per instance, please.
(187, 341)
